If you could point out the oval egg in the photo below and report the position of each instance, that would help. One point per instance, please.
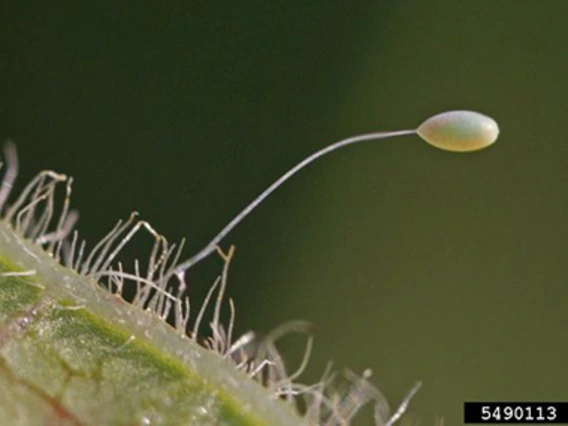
(459, 131)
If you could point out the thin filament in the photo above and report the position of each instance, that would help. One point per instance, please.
(210, 248)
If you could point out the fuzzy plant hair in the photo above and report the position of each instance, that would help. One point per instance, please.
(72, 345)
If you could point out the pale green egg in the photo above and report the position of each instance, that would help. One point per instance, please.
(459, 131)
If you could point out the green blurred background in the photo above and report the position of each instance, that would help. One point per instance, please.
(417, 263)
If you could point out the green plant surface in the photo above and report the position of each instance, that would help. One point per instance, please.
(73, 353)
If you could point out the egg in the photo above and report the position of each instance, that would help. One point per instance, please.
(459, 131)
